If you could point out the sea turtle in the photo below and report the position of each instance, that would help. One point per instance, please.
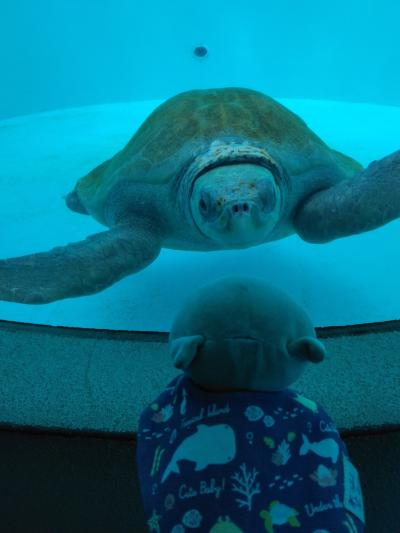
(208, 170)
(279, 514)
(225, 526)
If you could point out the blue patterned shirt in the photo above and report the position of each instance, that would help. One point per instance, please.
(244, 462)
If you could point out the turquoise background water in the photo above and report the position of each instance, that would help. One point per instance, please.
(63, 53)
(68, 67)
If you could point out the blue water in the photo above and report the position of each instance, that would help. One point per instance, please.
(59, 53)
(68, 69)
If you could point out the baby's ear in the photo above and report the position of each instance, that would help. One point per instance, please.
(308, 348)
(184, 349)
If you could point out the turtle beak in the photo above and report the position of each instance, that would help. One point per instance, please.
(239, 215)
(240, 218)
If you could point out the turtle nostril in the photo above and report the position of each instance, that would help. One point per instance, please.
(236, 208)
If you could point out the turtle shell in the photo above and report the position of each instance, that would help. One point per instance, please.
(186, 124)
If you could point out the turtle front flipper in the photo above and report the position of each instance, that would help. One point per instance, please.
(363, 203)
(80, 268)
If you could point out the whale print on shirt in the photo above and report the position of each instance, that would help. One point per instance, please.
(210, 445)
(324, 448)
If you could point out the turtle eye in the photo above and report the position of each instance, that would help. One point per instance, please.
(206, 207)
(267, 194)
(204, 203)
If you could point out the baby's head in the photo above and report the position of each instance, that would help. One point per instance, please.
(240, 333)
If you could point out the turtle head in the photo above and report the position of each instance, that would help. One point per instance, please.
(237, 205)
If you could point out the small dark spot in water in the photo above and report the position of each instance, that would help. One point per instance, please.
(200, 51)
